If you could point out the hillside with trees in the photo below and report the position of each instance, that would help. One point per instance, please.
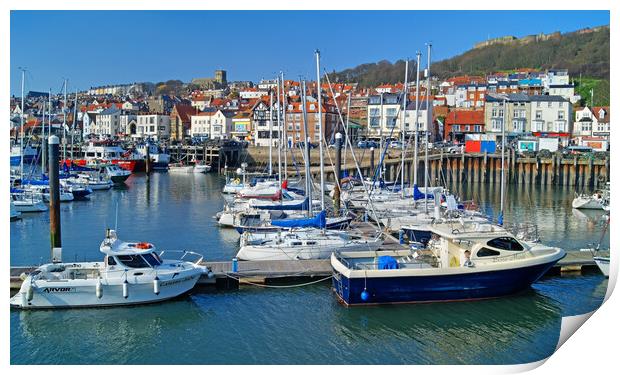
(584, 53)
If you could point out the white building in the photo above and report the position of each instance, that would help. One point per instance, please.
(212, 125)
(592, 122)
(153, 126)
(201, 125)
(385, 116)
(107, 122)
(550, 114)
(252, 93)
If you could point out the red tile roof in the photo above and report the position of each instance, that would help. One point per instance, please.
(465, 117)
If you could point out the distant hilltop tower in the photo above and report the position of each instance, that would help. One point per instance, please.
(220, 77)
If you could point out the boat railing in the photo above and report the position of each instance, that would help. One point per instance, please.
(523, 231)
(512, 257)
(183, 255)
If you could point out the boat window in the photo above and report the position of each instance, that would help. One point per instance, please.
(296, 243)
(133, 261)
(310, 242)
(151, 260)
(111, 261)
(486, 252)
(156, 256)
(505, 243)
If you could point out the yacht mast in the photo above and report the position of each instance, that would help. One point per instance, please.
(402, 128)
(307, 148)
(43, 148)
(416, 124)
(284, 138)
(279, 132)
(74, 120)
(21, 136)
(64, 123)
(49, 118)
(428, 111)
(320, 104)
(501, 203)
(270, 129)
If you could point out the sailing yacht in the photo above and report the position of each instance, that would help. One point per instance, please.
(24, 201)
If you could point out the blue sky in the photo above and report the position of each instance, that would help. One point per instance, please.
(92, 48)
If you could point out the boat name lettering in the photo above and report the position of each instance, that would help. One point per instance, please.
(58, 290)
(176, 281)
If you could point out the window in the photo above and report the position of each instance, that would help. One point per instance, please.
(486, 252)
(151, 260)
(151, 120)
(538, 115)
(478, 128)
(110, 260)
(560, 115)
(505, 243)
(133, 261)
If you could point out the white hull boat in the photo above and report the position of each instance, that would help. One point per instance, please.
(588, 202)
(202, 168)
(603, 264)
(14, 213)
(180, 168)
(27, 203)
(302, 244)
(131, 273)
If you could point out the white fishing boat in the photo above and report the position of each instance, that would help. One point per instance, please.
(79, 191)
(159, 159)
(130, 273)
(461, 262)
(180, 168)
(27, 202)
(302, 243)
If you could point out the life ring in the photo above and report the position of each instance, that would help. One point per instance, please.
(143, 245)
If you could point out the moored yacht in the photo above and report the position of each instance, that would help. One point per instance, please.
(461, 262)
(130, 273)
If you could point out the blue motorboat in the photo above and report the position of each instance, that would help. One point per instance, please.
(460, 262)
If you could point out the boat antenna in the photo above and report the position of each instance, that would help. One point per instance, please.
(116, 218)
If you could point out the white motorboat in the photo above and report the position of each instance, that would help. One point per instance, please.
(27, 202)
(201, 168)
(79, 191)
(180, 168)
(115, 173)
(159, 159)
(462, 262)
(597, 201)
(94, 181)
(304, 243)
(131, 273)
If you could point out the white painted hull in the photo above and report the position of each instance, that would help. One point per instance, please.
(603, 265)
(588, 203)
(201, 168)
(185, 169)
(258, 252)
(99, 186)
(82, 293)
(27, 206)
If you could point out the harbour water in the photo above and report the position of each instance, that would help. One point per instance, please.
(305, 325)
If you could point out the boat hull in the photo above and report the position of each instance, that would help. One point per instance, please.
(587, 204)
(50, 296)
(603, 265)
(436, 288)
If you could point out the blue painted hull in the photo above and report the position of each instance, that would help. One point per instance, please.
(339, 225)
(437, 288)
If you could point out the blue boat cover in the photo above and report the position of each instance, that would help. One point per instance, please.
(417, 194)
(386, 262)
(286, 207)
(319, 221)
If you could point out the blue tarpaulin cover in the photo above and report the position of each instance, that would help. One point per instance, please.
(319, 221)
(286, 207)
(386, 262)
(417, 194)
